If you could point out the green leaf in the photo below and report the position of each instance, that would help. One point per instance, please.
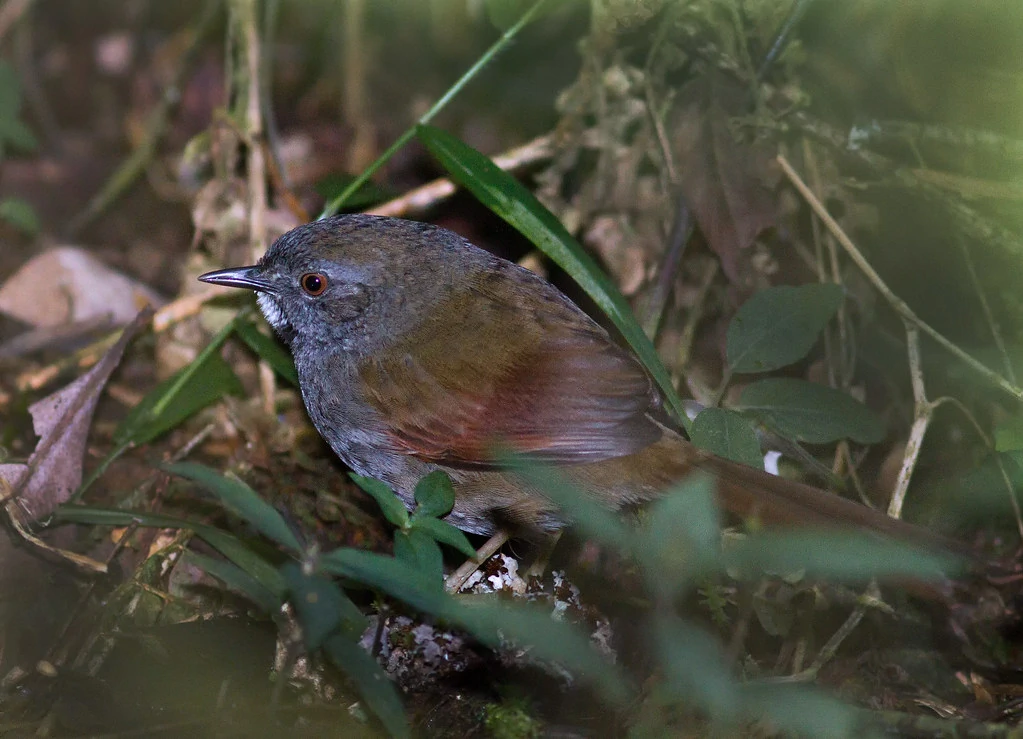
(592, 519)
(695, 667)
(417, 549)
(404, 552)
(170, 403)
(435, 497)
(241, 500)
(237, 580)
(390, 504)
(727, 434)
(445, 533)
(20, 214)
(806, 411)
(321, 607)
(509, 199)
(227, 544)
(268, 349)
(388, 575)
(371, 681)
(681, 538)
(835, 555)
(799, 710)
(546, 639)
(779, 326)
(490, 623)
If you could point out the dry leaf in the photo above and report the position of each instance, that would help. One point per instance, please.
(62, 421)
(721, 178)
(69, 285)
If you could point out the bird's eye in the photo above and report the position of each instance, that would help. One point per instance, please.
(314, 283)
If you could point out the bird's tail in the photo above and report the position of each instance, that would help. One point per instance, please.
(754, 494)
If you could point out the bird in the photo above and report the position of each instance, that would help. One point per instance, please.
(418, 351)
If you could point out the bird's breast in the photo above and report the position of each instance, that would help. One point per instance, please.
(354, 429)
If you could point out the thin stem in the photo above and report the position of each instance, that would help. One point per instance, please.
(923, 410)
(335, 205)
(989, 316)
(215, 343)
(897, 303)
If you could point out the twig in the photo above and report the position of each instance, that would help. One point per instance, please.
(693, 317)
(278, 174)
(490, 547)
(80, 561)
(972, 221)
(781, 38)
(662, 135)
(681, 232)
(923, 410)
(39, 378)
(897, 303)
(256, 165)
(432, 193)
(185, 306)
(248, 94)
(52, 656)
(872, 598)
(838, 369)
(353, 72)
(258, 194)
(163, 319)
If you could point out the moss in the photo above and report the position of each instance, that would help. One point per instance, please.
(510, 720)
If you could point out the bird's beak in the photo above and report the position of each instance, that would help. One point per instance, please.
(251, 278)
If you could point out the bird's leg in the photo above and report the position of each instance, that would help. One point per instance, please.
(457, 578)
(543, 556)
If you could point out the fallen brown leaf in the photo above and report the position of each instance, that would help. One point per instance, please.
(67, 284)
(62, 421)
(721, 178)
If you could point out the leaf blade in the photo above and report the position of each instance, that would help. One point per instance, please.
(444, 533)
(727, 434)
(227, 544)
(205, 386)
(241, 500)
(435, 496)
(778, 326)
(371, 681)
(807, 411)
(268, 349)
(836, 555)
(391, 505)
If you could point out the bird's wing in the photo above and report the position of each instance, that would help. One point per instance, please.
(489, 368)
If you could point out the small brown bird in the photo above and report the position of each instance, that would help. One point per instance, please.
(417, 351)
